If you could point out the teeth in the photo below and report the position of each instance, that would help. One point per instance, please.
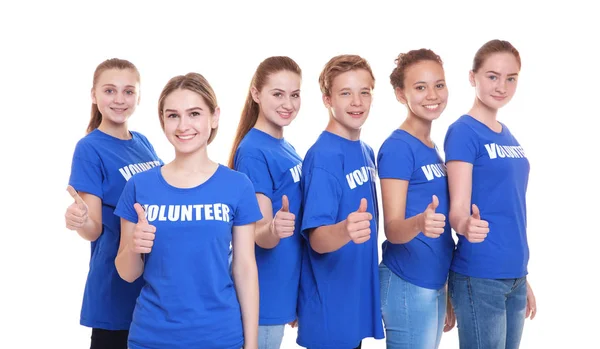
(432, 107)
(186, 137)
(356, 113)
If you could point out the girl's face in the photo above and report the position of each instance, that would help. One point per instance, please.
(188, 121)
(496, 80)
(116, 94)
(279, 99)
(425, 93)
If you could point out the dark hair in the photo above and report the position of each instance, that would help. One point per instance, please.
(407, 59)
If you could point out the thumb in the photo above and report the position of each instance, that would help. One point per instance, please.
(140, 212)
(285, 204)
(363, 205)
(434, 203)
(475, 213)
(76, 197)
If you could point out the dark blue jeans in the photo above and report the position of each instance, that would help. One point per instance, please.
(490, 313)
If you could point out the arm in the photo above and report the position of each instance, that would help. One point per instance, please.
(398, 230)
(129, 264)
(245, 278)
(460, 182)
(84, 215)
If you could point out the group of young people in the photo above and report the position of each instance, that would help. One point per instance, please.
(195, 254)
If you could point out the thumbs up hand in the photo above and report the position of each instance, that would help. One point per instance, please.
(477, 229)
(143, 235)
(77, 213)
(284, 221)
(431, 223)
(358, 224)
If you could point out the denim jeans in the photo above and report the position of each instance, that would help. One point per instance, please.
(490, 313)
(413, 316)
(270, 337)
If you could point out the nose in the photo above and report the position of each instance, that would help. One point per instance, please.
(432, 94)
(287, 104)
(119, 98)
(183, 124)
(501, 86)
(356, 100)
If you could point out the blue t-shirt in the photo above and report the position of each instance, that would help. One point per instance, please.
(189, 299)
(423, 261)
(500, 176)
(275, 169)
(101, 166)
(339, 302)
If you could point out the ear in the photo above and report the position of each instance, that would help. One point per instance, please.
(327, 101)
(139, 98)
(214, 122)
(472, 78)
(93, 95)
(254, 93)
(400, 96)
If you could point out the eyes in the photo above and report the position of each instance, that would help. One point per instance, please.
(293, 95)
(112, 91)
(494, 77)
(348, 93)
(175, 115)
(438, 86)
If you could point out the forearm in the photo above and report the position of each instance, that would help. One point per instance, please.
(401, 231)
(129, 264)
(329, 238)
(264, 235)
(245, 277)
(91, 230)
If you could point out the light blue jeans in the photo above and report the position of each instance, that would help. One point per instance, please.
(490, 313)
(270, 337)
(413, 316)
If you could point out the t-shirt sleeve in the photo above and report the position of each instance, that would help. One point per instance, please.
(127, 199)
(395, 160)
(247, 210)
(150, 148)
(322, 194)
(258, 173)
(86, 170)
(461, 143)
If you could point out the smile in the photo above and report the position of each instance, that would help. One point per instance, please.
(284, 115)
(432, 106)
(186, 137)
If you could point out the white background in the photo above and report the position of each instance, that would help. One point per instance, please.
(49, 51)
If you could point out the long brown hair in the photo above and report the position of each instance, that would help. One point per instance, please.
(113, 63)
(193, 82)
(491, 47)
(249, 115)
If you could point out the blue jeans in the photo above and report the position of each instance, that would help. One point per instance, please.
(490, 313)
(413, 316)
(270, 337)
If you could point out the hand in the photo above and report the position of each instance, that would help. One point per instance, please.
(77, 213)
(477, 229)
(358, 225)
(450, 320)
(143, 235)
(431, 223)
(294, 323)
(531, 305)
(284, 221)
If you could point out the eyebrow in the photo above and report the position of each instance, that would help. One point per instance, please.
(280, 90)
(493, 72)
(423, 82)
(113, 85)
(187, 110)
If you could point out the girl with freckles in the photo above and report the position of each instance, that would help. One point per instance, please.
(419, 245)
(177, 224)
(274, 167)
(488, 172)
